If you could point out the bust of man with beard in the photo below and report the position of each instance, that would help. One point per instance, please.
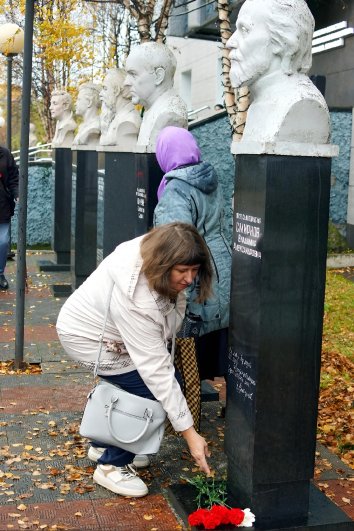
(271, 54)
(120, 121)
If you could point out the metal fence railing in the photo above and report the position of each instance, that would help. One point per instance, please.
(193, 113)
(40, 153)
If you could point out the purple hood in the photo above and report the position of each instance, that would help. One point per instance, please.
(175, 147)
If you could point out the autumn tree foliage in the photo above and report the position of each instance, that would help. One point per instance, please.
(62, 49)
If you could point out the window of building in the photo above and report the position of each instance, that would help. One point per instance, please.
(186, 88)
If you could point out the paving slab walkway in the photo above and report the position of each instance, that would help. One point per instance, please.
(45, 476)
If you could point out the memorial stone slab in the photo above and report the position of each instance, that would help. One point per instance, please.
(127, 198)
(279, 257)
(84, 225)
(61, 223)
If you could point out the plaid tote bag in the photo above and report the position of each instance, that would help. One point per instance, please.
(186, 363)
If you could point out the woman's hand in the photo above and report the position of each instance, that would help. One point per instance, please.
(198, 448)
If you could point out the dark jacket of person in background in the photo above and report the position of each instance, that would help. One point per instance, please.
(8, 185)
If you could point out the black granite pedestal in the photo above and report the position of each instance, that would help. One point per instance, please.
(84, 225)
(127, 198)
(61, 227)
(278, 283)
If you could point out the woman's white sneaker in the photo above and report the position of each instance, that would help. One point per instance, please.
(120, 480)
(95, 453)
(140, 461)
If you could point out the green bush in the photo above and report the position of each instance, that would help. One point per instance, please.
(336, 242)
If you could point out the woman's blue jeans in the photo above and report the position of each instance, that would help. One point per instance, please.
(133, 383)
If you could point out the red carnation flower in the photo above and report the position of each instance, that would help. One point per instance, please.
(197, 518)
(221, 512)
(236, 516)
(210, 520)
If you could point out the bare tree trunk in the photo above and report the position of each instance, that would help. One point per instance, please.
(143, 13)
(144, 22)
(236, 101)
(162, 21)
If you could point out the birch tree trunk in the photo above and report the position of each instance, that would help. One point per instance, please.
(236, 101)
(162, 22)
(143, 12)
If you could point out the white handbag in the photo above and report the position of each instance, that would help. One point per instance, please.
(115, 417)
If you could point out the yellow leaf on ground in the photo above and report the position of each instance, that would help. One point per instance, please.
(327, 428)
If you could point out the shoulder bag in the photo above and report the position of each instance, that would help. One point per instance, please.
(115, 417)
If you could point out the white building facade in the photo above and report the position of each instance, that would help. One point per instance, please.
(198, 75)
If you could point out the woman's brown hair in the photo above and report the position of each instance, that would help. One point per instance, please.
(174, 244)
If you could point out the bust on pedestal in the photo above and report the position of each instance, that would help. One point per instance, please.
(120, 121)
(129, 172)
(278, 274)
(87, 106)
(85, 181)
(150, 70)
(61, 111)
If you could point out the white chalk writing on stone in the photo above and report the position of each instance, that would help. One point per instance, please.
(240, 368)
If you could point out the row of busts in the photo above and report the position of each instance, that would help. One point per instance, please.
(110, 119)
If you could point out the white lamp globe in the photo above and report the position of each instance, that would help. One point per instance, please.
(11, 39)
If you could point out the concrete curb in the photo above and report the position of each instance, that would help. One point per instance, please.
(336, 261)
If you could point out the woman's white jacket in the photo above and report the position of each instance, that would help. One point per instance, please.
(139, 318)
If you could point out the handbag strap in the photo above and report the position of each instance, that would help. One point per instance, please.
(173, 347)
(100, 339)
(148, 416)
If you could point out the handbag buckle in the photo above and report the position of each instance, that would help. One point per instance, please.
(148, 414)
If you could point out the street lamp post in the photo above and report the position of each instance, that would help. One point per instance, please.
(11, 44)
(23, 184)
